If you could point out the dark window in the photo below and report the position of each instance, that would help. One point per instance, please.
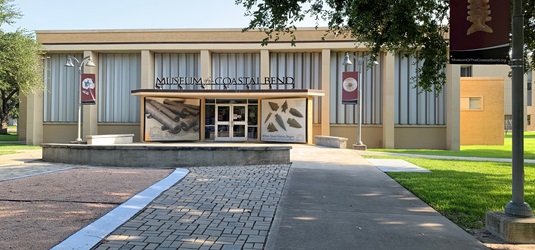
(466, 71)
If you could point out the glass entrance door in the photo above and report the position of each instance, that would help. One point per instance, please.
(231, 122)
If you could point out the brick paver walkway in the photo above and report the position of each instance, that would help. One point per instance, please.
(211, 208)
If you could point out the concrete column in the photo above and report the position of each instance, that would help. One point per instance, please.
(264, 67)
(147, 82)
(325, 86)
(147, 69)
(206, 65)
(34, 119)
(389, 92)
(310, 127)
(453, 107)
(90, 112)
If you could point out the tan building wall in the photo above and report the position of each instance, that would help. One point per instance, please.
(503, 71)
(372, 136)
(482, 111)
(428, 137)
(206, 42)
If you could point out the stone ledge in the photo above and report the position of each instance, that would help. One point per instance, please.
(511, 229)
(110, 139)
(165, 156)
(331, 141)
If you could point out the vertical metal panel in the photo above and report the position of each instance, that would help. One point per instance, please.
(118, 75)
(305, 68)
(414, 107)
(235, 65)
(412, 92)
(371, 91)
(185, 65)
(61, 95)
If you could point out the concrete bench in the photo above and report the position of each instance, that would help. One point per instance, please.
(331, 141)
(110, 139)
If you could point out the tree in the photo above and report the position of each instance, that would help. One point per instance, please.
(410, 27)
(20, 64)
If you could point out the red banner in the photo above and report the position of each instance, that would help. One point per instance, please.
(479, 31)
(350, 88)
(88, 89)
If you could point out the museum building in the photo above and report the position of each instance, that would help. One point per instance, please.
(223, 85)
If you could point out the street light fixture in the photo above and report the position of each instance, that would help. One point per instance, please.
(360, 70)
(87, 61)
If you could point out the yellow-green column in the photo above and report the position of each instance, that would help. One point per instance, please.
(388, 100)
(325, 118)
(453, 107)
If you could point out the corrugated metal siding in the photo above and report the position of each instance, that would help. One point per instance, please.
(177, 65)
(372, 86)
(305, 68)
(235, 65)
(61, 89)
(414, 107)
(118, 75)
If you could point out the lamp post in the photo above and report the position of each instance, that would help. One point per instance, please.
(360, 70)
(87, 61)
(517, 206)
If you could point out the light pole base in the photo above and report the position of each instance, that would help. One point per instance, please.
(518, 210)
(511, 229)
(78, 142)
(361, 147)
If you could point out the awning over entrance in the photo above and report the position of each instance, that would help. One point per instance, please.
(261, 93)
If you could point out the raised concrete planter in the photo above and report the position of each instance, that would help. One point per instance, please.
(110, 139)
(511, 229)
(166, 156)
(331, 141)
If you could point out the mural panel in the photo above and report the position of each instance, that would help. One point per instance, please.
(172, 119)
(284, 120)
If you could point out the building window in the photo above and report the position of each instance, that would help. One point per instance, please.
(529, 92)
(412, 105)
(466, 71)
(471, 103)
(475, 103)
(508, 122)
(529, 120)
(61, 89)
(118, 75)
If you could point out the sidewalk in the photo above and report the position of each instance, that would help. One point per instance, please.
(327, 199)
(337, 200)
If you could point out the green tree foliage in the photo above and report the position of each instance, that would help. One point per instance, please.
(411, 27)
(20, 64)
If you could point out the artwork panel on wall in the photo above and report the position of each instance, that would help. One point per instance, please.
(284, 120)
(172, 119)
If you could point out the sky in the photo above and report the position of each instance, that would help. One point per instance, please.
(130, 14)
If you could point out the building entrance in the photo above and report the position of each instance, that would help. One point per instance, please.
(231, 122)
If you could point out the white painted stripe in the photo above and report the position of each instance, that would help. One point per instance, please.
(92, 234)
(36, 174)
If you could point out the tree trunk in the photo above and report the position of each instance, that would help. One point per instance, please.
(3, 130)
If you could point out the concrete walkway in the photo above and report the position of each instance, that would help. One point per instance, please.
(335, 199)
(327, 199)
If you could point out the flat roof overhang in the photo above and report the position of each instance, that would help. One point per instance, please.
(225, 94)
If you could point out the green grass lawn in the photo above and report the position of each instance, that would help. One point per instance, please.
(464, 190)
(9, 137)
(6, 147)
(13, 148)
(501, 151)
